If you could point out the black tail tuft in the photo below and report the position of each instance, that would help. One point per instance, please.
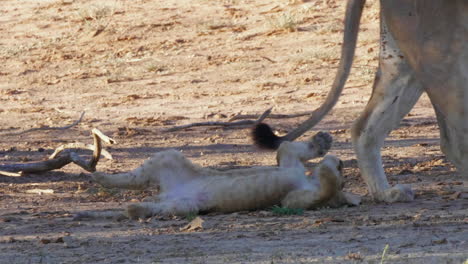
(264, 137)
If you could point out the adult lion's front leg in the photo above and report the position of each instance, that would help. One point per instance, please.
(396, 90)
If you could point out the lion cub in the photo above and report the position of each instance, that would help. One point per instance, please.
(188, 188)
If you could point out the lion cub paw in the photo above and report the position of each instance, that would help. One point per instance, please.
(322, 142)
(399, 193)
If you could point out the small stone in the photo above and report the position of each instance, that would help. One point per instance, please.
(440, 241)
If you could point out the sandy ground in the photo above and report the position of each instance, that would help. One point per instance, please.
(139, 67)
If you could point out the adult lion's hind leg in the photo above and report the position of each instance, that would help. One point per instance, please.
(453, 126)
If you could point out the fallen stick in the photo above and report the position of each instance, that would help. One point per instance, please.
(40, 191)
(10, 174)
(274, 116)
(223, 124)
(78, 145)
(61, 158)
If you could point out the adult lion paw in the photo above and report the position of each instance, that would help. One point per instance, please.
(322, 142)
(399, 193)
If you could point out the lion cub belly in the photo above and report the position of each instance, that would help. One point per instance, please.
(259, 190)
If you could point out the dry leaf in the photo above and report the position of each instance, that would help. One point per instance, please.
(312, 95)
(194, 225)
(455, 196)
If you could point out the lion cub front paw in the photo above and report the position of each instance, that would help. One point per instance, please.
(399, 193)
(322, 142)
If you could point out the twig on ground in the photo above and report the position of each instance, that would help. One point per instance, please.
(382, 259)
(57, 161)
(274, 116)
(268, 59)
(10, 174)
(49, 128)
(223, 124)
(78, 145)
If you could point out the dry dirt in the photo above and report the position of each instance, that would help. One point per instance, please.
(139, 67)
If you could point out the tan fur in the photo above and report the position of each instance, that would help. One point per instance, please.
(423, 49)
(186, 187)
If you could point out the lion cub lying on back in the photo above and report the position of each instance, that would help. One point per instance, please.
(188, 188)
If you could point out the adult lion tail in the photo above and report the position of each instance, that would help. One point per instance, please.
(264, 137)
(262, 134)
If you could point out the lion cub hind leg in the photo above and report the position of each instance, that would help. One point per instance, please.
(128, 180)
(166, 169)
(329, 173)
(165, 208)
(301, 199)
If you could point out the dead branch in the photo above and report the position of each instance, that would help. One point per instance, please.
(78, 145)
(50, 128)
(268, 59)
(10, 174)
(63, 156)
(274, 116)
(223, 124)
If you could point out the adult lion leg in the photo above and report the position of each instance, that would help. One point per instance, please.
(395, 92)
(453, 125)
(438, 51)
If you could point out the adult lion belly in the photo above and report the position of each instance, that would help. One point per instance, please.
(432, 35)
